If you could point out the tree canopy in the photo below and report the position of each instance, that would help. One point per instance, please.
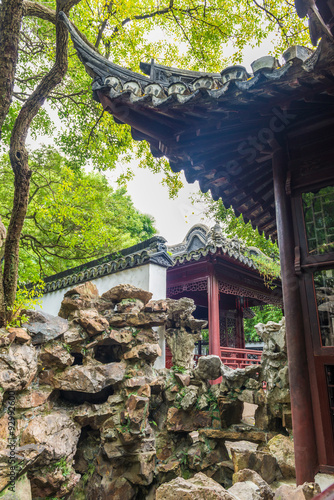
(38, 64)
(72, 217)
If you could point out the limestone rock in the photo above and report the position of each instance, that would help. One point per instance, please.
(182, 345)
(246, 490)
(208, 367)
(56, 432)
(19, 335)
(123, 336)
(187, 421)
(120, 292)
(132, 306)
(305, 491)
(182, 378)
(18, 366)
(144, 351)
(263, 463)
(281, 447)
(87, 289)
(74, 336)
(47, 484)
(189, 397)
(91, 378)
(250, 475)
(156, 306)
(44, 327)
(31, 398)
(55, 354)
(4, 337)
(92, 322)
(200, 487)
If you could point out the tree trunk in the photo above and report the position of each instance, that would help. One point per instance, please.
(10, 22)
(19, 159)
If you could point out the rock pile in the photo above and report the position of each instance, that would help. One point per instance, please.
(95, 420)
(246, 385)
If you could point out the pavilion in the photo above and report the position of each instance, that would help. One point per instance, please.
(264, 144)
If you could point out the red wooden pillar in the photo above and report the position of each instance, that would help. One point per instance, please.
(213, 313)
(301, 404)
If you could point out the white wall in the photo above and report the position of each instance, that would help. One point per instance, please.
(149, 277)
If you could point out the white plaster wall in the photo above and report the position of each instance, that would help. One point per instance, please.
(149, 277)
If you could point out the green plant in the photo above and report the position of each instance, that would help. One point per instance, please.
(88, 474)
(178, 369)
(63, 466)
(67, 347)
(26, 298)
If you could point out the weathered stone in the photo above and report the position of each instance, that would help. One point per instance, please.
(200, 487)
(263, 463)
(4, 337)
(244, 433)
(208, 367)
(56, 432)
(132, 306)
(95, 415)
(182, 345)
(19, 335)
(47, 484)
(91, 378)
(246, 491)
(122, 337)
(250, 475)
(135, 382)
(44, 327)
(281, 447)
(305, 491)
(156, 306)
(182, 378)
(92, 322)
(120, 292)
(18, 366)
(32, 398)
(87, 289)
(55, 354)
(189, 397)
(187, 421)
(148, 352)
(75, 335)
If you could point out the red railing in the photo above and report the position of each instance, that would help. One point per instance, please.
(239, 358)
(230, 356)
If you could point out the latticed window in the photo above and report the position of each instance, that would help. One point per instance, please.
(319, 220)
(228, 330)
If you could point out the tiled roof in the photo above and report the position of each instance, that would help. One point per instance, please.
(201, 241)
(153, 251)
(219, 127)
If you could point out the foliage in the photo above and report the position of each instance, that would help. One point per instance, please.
(235, 226)
(72, 218)
(184, 33)
(263, 314)
(178, 369)
(191, 33)
(26, 298)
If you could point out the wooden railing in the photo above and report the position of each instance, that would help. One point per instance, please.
(236, 358)
(230, 356)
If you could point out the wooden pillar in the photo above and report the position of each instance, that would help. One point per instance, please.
(213, 313)
(300, 392)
